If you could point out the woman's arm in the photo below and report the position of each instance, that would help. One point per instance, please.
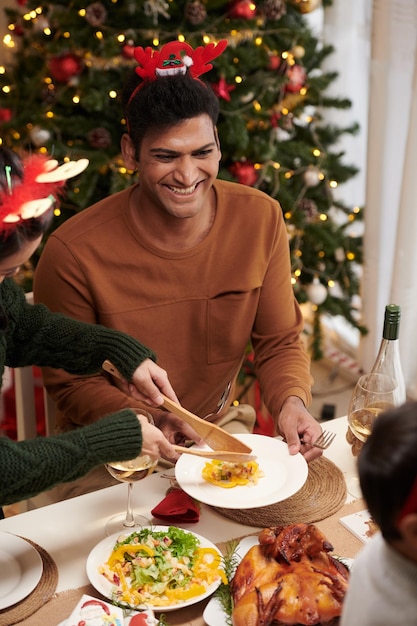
(34, 465)
(35, 336)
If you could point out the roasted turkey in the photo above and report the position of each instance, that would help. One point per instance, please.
(289, 578)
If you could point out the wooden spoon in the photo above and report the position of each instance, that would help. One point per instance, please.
(213, 435)
(218, 455)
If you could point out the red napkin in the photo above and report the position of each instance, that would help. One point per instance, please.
(177, 506)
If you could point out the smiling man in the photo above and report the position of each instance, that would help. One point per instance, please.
(198, 266)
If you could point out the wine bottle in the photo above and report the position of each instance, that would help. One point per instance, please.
(388, 359)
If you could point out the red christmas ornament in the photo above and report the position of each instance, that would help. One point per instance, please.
(128, 51)
(18, 30)
(274, 62)
(243, 10)
(22, 3)
(245, 173)
(65, 67)
(296, 75)
(274, 119)
(5, 115)
(222, 89)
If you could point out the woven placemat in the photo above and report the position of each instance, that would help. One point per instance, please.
(43, 591)
(323, 494)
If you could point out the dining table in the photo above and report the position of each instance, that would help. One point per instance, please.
(68, 530)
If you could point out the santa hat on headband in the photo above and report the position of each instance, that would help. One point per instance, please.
(176, 57)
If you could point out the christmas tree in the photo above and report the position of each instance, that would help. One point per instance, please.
(61, 93)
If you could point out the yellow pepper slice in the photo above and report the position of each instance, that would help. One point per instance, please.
(185, 593)
(125, 589)
(132, 549)
(202, 557)
(207, 565)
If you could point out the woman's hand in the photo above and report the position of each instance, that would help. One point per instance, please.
(154, 443)
(148, 382)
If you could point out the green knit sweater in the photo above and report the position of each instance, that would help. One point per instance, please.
(35, 336)
(32, 335)
(34, 465)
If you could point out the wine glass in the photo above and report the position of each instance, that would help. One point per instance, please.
(373, 394)
(130, 472)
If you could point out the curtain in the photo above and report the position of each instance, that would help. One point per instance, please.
(347, 26)
(390, 268)
(377, 50)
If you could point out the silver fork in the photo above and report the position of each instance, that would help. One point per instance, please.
(324, 440)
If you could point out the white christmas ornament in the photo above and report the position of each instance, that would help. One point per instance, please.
(311, 177)
(280, 134)
(317, 293)
(39, 136)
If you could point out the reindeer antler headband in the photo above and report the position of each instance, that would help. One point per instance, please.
(30, 197)
(175, 57)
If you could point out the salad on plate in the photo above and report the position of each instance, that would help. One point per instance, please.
(162, 567)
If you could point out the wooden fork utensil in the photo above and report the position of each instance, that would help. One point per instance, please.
(218, 455)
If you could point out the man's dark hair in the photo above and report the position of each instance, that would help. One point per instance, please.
(387, 466)
(164, 103)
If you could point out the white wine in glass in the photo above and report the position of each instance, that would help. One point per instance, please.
(130, 472)
(373, 394)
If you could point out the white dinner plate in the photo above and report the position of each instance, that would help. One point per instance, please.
(20, 569)
(101, 552)
(284, 475)
(213, 613)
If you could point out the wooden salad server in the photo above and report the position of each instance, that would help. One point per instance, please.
(217, 455)
(213, 435)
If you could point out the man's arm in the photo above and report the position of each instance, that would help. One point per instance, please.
(281, 363)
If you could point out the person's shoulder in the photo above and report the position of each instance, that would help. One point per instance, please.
(239, 192)
(94, 216)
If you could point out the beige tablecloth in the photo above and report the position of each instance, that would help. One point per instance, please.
(62, 604)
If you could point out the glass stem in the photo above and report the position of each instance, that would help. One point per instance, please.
(130, 520)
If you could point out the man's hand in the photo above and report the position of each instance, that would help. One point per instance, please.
(299, 428)
(175, 429)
